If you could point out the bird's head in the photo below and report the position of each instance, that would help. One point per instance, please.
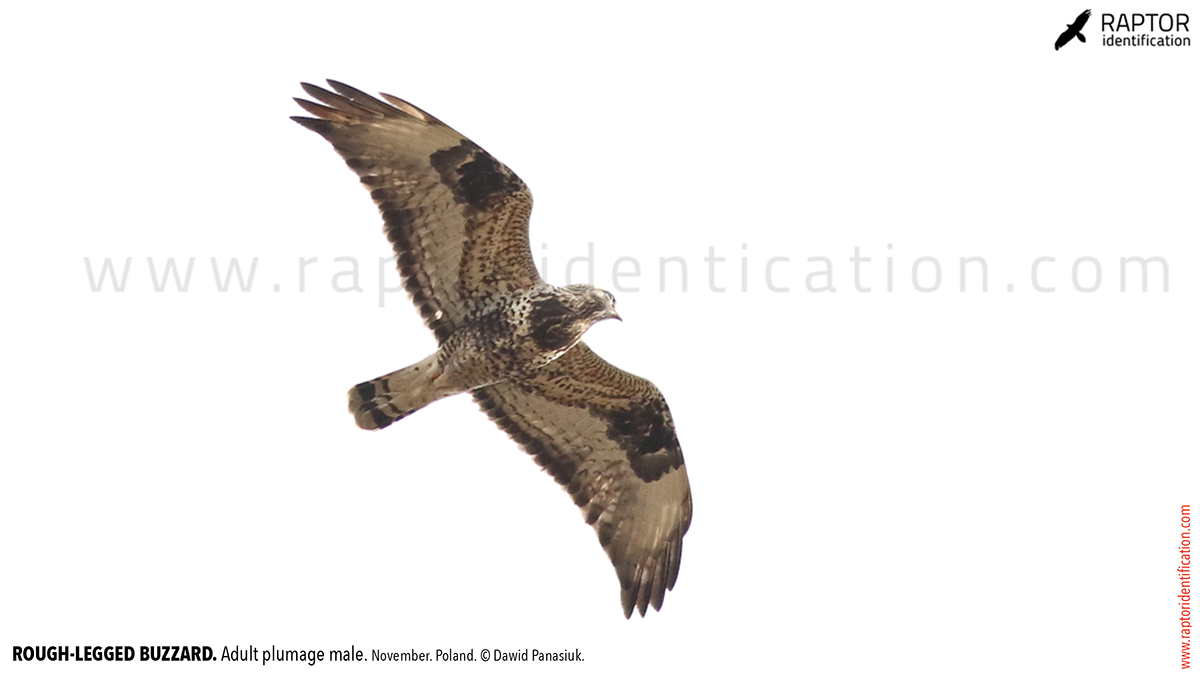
(592, 304)
(559, 319)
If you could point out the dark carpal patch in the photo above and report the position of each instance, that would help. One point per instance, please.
(475, 178)
(646, 435)
(447, 161)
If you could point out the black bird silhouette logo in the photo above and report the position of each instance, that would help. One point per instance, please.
(1073, 29)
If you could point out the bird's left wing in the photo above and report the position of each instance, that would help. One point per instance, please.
(608, 438)
(457, 218)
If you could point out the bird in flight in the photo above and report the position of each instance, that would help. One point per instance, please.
(1073, 30)
(458, 221)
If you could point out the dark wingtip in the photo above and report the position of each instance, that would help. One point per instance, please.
(349, 92)
(319, 126)
(633, 597)
(313, 90)
(345, 89)
(363, 100)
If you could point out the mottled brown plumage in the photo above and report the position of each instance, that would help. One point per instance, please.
(458, 221)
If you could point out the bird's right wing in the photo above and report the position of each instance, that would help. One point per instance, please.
(608, 438)
(457, 218)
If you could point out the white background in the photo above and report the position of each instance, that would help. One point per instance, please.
(937, 483)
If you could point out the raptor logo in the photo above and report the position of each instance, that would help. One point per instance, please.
(1073, 30)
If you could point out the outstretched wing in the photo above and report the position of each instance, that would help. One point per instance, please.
(458, 219)
(607, 436)
(1081, 20)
